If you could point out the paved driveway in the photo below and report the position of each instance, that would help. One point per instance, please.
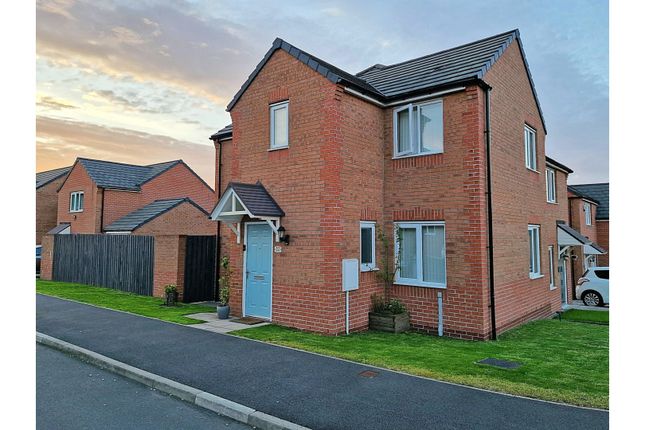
(311, 390)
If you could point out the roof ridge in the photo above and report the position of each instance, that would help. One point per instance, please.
(514, 32)
(52, 170)
(178, 160)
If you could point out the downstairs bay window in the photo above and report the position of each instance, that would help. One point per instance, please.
(418, 129)
(420, 250)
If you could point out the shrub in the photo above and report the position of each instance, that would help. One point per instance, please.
(224, 281)
(382, 306)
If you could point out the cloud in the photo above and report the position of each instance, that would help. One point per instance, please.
(59, 142)
(147, 42)
(51, 103)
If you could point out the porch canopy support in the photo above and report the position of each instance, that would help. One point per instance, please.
(247, 200)
(568, 237)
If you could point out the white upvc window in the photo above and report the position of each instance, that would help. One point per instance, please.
(279, 114)
(418, 129)
(368, 246)
(420, 250)
(76, 201)
(551, 274)
(534, 251)
(530, 157)
(586, 207)
(551, 195)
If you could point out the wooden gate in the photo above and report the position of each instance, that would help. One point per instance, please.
(199, 268)
(121, 262)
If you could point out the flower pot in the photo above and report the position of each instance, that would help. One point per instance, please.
(171, 298)
(393, 323)
(222, 311)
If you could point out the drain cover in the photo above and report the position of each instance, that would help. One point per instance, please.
(500, 363)
(368, 374)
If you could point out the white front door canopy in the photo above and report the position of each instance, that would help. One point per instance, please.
(568, 236)
(252, 200)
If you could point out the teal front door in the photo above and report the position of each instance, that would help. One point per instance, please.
(257, 294)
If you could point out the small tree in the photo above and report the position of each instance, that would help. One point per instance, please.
(224, 281)
(390, 264)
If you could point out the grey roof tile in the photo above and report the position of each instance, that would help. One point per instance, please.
(44, 178)
(257, 199)
(223, 133)
(143, 215)
(598, 193)
(108, 174)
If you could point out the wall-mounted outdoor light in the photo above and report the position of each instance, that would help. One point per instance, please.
(282, 237)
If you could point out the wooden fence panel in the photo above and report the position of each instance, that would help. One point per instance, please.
(122, 262)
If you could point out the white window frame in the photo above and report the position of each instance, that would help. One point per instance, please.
(534, 260)
(530, 148)
(367, 267)
(272, 109)
(551, 274)
(586, 208)
(418, 282)
(415, 132)
(551, 189)
(74, 198)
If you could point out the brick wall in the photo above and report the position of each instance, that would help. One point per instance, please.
(169, 264)
(576, 208)
(47, 257)
(47, 207)
(89, 220)
(602, 236)
(446, 187)
(184, 219)
(519, 197)
(178, 181)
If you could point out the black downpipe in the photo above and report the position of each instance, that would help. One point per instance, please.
(219, 194)
(489, 204)
(102, 208)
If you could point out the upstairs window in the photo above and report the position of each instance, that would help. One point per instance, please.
(418, 129)
(534, 251)
(530, 157)
(279, 113)
(76, 201)
(368, 246)
(550, 186)
(587, 210)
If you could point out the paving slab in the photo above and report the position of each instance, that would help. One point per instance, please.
(307, 389)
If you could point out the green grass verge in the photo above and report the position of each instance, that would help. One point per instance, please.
(119, 300)
(599, 317)
(562, 361)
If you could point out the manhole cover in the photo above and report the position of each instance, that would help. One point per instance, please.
(368, 374)
(500, 363)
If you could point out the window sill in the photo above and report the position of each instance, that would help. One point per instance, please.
(75, 212)
(423, 154)
(536, 276)
(371, 269)
(533, 170)
(419, 284)
(552, 203)
(278, 149)
(552, 287)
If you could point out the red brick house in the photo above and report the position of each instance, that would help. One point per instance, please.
(47, 184)
(589, 214)
(106, 197)
(446, 149)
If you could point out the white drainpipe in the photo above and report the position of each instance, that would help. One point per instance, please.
(440, 306)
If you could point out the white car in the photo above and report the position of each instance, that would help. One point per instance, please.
(593, 287)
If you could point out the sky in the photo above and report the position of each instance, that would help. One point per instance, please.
(148, 81)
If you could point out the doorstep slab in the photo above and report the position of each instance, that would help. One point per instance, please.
(216, 325)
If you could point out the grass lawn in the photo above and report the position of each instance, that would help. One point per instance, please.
(562, 361)
(599, 317)
(114, 299)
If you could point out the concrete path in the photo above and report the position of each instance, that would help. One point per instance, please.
(72, 394)
(217, 325)
(578, 304)
(307, 389)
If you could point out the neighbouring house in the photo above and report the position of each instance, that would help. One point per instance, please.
(589, 214)
(97, 194)
(100, 202)
(447, 149)
(47, 184)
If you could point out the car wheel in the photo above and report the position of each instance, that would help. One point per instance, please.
(592, 298)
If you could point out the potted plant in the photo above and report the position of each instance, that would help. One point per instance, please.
(223, 308)
(388, 314)
(170, 293)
